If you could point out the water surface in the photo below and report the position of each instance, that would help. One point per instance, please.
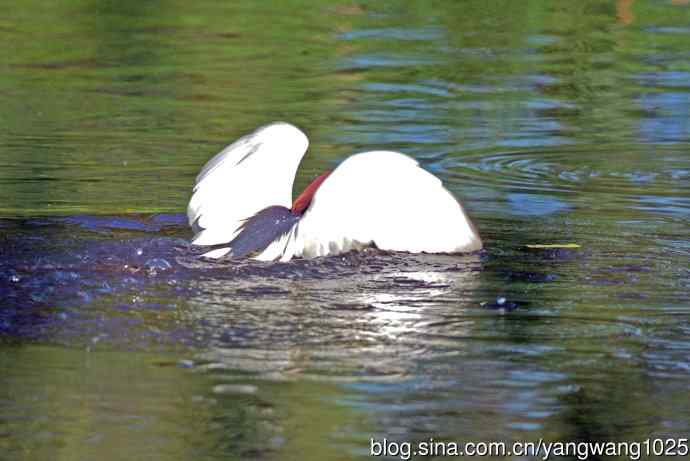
(554, 122)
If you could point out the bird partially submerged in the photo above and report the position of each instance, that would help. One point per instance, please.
(241, 205)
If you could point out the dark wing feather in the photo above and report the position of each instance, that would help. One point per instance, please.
(259, 231)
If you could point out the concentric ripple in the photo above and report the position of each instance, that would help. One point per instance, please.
(581, 177)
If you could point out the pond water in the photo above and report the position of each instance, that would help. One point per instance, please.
(554, 122)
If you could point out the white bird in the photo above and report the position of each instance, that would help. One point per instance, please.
(241, 204)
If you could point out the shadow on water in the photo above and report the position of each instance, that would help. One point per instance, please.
(90, 261)
(102, 286)
(554, 122)
(420, 335)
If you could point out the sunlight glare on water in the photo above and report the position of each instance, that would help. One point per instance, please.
(555, 122)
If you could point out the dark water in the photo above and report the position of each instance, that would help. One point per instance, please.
(555, 122)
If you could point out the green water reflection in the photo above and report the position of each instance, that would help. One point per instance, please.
(555, 121)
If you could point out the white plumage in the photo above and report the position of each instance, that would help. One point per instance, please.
(374, 198)
(254, 172)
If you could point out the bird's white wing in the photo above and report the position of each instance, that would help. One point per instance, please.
(386, 199)
(254, 172)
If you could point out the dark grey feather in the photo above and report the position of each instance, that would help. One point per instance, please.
(196, 228)
(259, 231)
(252, 149)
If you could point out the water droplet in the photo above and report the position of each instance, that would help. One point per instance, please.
(14, 278)
(140, 251)
(185, 364)
(500, 300)
(96, 339)
(156, 265)
(85, 297)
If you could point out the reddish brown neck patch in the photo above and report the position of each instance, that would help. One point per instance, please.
(302, 202)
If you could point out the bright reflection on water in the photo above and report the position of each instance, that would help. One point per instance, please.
(556, 122)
